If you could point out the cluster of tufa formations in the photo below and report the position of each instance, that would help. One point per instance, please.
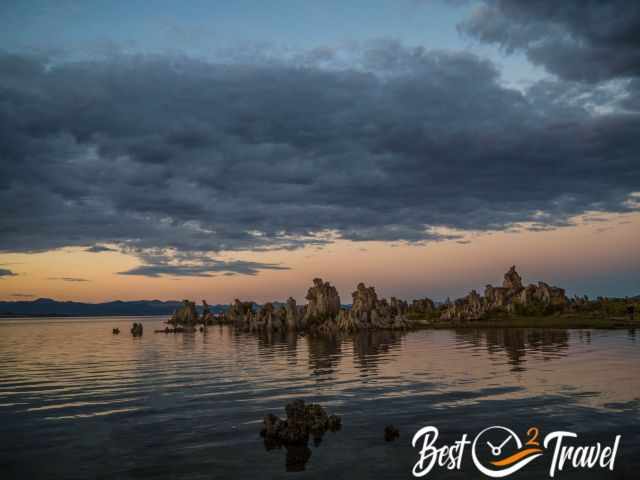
(325, 314)
(512, 297)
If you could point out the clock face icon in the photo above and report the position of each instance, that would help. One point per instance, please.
(497, 452)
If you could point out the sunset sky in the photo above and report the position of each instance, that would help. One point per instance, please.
(218, 150)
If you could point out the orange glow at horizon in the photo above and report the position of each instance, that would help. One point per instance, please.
(597, 257)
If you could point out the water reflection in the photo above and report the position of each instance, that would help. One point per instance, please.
(369, 349)
(518, 343)
(85, 402)
(296, 456)
(325, 353)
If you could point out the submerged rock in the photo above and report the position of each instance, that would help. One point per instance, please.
(391, 433)
(175, 330)
(297, 457)
(303, 421)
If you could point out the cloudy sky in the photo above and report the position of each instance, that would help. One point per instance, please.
(238, 149)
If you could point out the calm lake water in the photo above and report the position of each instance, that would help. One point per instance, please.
(79, 402)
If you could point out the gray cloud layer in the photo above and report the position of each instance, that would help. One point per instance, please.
(159, 153)
(158, 263)
(99, 249)
(585, 40)
(68, 279)
(5, 272)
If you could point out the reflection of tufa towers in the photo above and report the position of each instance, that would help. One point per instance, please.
(325, 353)
(517, 343)
(370, 348)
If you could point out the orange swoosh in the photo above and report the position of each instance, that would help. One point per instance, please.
(516, 456)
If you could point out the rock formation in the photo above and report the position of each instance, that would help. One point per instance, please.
(391, 433)
(471, 307)
(543, 293)
(268, 317)
(187, 314)
(207, 316)
(511, 297)
(294, 315)
(367, 311)
(423, 306)
(240, 313)
(365, 301)
(398, 307)
(302, 422)
(136, 329)
(512, 280)
(323, 314)
(324, 303)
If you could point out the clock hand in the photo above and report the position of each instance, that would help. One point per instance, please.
(495, 450)
(505, 442)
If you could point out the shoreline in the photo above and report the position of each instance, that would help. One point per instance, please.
(538, 322)
(550, 322)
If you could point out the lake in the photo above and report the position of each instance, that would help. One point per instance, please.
(79, 402)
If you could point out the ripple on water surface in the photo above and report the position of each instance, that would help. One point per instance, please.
(87, 403)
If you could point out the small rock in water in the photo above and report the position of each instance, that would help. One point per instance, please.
(303, 420)
(391, 433)
(116, 331)
(334, 423)
(136, 330)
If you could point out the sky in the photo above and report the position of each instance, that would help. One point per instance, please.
(225, 150)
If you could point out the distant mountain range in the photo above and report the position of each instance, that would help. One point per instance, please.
(49, 307)
(46, 307)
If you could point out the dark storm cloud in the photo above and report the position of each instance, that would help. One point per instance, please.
(170, 154)
(584, 40)
(68, 279)
(99, 249)
(157, 262)
(203, 269)
(4, 272)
